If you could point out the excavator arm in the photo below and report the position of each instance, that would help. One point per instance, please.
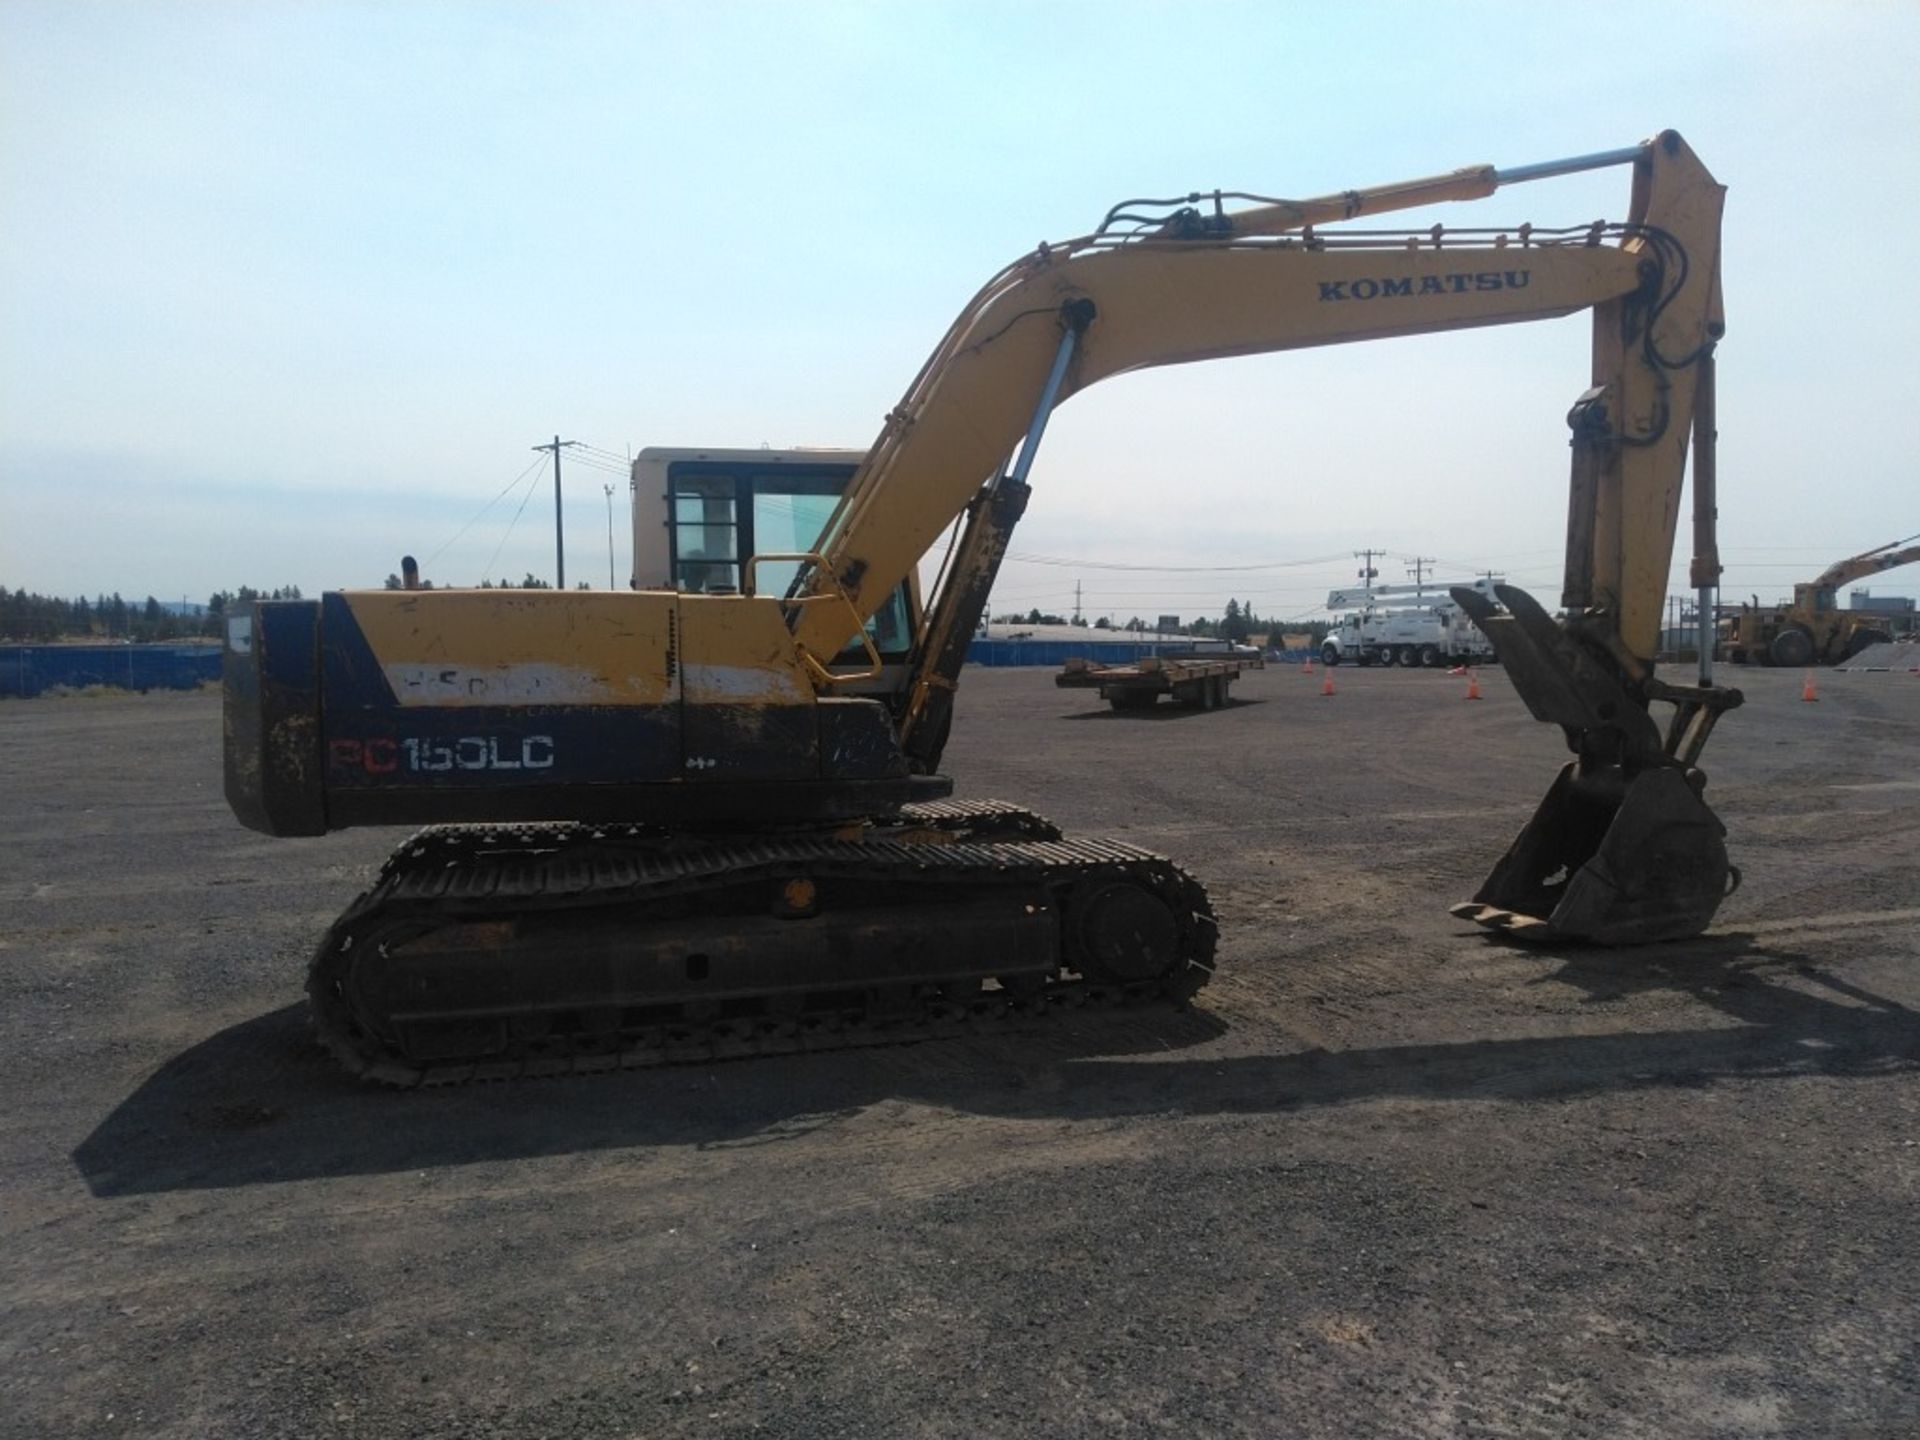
(1194, 286)
(1623, 849)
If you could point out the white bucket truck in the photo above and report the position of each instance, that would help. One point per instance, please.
(1404, 625)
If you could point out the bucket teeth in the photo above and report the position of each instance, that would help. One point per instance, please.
(1494, 918)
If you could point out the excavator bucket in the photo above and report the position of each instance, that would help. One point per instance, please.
(1623, 850)
(1609, 864)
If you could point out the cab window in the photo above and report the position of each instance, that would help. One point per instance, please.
(706, 533)
(722, 514)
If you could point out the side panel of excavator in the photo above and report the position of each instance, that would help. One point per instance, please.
(421, 707)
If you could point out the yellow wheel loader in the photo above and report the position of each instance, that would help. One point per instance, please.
(1814, 630)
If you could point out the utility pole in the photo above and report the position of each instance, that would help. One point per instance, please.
(1076, 602)
(559, 540)
(1418, 569)
(609, 490)
(1367, 573)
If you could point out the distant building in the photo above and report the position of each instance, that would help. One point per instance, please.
(1889, 605)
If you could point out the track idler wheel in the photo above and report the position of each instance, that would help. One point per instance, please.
(1610, 861)
(1123, 931)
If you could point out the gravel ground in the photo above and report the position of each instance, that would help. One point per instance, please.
(1387, 1178)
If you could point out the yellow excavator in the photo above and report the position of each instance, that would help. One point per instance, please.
(1814, 630)
(707, 818)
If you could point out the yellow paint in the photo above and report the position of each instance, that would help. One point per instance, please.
(522, 647)
(737, 650)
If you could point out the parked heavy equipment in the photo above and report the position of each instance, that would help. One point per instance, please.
(1814, 630)
(707, 817)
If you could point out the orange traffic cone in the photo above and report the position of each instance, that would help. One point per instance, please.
(1473, 684)
(1306, 666)
(1326, 682)
(1807, 690)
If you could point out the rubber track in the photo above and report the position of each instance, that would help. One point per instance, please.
(468, 871)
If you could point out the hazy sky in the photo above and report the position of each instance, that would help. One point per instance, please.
(287, 290)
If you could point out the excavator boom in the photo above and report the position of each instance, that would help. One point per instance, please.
(1197, 287)
(1870, 562)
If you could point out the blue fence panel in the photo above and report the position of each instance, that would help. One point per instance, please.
(28, 670)
(1058, 652)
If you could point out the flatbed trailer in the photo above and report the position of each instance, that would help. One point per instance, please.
(1198, 681)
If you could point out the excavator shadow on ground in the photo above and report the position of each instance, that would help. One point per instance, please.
(259, 1103)
(1165, 710)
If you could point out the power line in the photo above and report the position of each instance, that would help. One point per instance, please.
(604, 453)
(1071, 564)
(533, 485)
(594, 462)
(511, 484)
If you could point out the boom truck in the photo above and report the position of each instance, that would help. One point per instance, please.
(1814, 630)
(707, 817)
(1408, 624)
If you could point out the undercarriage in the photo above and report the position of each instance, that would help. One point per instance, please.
(500, 952)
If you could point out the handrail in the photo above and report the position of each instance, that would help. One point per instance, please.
(876, 667)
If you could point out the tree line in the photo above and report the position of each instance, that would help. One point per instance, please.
(532, 582)
(1236, 622)
(27, 615)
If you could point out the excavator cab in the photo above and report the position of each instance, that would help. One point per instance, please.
(701, 515)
